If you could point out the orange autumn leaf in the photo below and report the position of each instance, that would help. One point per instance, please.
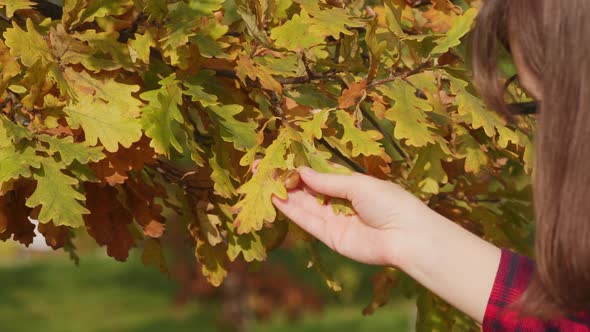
(352, 95)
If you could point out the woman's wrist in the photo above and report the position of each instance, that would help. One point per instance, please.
(415, 249)
(449, 260)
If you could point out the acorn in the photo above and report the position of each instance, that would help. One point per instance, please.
(291, 179)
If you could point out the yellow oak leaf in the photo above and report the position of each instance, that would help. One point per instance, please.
(14, 5)
(408, 113)
(112, 125)
(363, 141)
(256, 207)
(29, 46)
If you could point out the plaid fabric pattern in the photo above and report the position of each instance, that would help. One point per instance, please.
(514, 274)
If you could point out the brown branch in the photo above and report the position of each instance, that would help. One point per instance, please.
(424, 65)
(387, 136)
(307, 79)
(282, 80)
(310, 73)
(347, 160)
(276, 111)
(338, 50)
(49, 9)
(418, 3)
(175, 175)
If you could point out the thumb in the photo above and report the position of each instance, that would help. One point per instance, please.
(335, 185)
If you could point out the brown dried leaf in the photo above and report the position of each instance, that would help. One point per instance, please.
(108, 221)
(115, 168)
(352, 95)
(14, 216)
(55, 236)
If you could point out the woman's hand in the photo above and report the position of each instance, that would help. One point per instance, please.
(393, 227)
(387, 216)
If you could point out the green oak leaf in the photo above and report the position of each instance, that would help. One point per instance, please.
(249, 245)
(70, 151)
(196, 88)
(241, 134)
(471, 150)
(221, 171)
(162, 119)
(205, 7)
(453, 36)
(428, 170)
(119, 96)
(57, 195)
(213, 260)
(295, 34)
(12, 133)
(101, 8)
(333, 22)
(16, 161)
(473, 110)
(139, 46)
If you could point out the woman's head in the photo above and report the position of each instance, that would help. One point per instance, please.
(517, 26)
(550, 43)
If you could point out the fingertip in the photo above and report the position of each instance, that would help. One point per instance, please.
(278, 201)
(255, 166)
(305, 170)
(307, 174)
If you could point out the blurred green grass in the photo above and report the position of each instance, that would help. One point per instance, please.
(53, 295)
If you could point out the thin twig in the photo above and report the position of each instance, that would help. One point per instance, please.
(275, 109)
(347, 160)
(282, 80)
(387, 136)
(424, 65)
(418, 3)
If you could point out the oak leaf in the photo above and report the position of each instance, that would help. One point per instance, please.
(408, 113)
(452, 37)
(363, 142)
(29, 46)
(55, 236)
(111, 125)
(352, 95)
(14, 5)
(109, 221)
(14, 216)
(57, 195)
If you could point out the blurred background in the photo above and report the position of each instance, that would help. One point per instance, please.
(45, 290)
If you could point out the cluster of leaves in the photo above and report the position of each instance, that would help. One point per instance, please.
(116, 116)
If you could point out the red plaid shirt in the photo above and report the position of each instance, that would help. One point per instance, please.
(513, 276)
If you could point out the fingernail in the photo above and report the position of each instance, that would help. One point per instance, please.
(278, 201)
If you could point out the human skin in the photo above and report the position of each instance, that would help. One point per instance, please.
(394, 228)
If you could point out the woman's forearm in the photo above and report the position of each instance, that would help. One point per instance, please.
(453, 263)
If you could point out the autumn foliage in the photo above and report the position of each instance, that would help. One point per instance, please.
(126, 118)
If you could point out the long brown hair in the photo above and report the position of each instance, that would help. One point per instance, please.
(554, 37)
